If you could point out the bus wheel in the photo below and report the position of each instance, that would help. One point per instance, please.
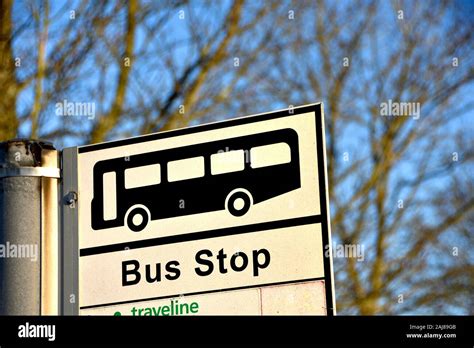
(238, 202)
(137, 219)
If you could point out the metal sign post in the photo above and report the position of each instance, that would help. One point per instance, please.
(29, 235)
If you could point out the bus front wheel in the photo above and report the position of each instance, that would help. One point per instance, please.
(238, 202)
(137, 219)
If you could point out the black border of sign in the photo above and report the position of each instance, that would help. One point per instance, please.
(316, 108)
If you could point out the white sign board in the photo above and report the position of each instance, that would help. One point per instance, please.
(224, 218)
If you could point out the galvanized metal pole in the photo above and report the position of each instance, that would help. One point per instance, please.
(29, 236)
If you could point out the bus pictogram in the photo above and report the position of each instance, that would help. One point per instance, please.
(229, 174)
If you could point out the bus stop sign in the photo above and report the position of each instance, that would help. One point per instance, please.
(224, 218)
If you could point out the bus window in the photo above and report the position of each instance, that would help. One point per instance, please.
(227, 162)
(142, 176)
(185, 169)
(110, 195)
(270, 155)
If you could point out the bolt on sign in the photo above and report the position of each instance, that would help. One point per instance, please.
(225, 218)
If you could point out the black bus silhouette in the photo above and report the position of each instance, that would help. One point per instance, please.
(188, 180)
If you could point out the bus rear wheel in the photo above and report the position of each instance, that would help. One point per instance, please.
(137, 219)
(238, 202)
